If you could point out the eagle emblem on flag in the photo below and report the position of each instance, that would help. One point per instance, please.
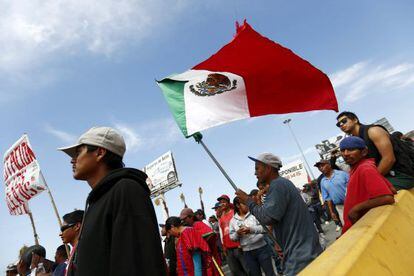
(214, 84)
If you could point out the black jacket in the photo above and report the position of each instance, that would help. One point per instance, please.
(120, 233)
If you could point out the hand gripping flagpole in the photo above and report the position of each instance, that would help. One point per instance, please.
(199, 139)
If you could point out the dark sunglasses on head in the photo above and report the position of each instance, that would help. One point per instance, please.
(342, 122)
(67, 226)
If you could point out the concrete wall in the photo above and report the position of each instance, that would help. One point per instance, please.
(381, 243)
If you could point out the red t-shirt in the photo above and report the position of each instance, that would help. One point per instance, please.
(365, 182)
(224, 223)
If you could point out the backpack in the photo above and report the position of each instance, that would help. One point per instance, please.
(403, 151)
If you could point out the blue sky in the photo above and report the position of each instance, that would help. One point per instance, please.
(67, 66)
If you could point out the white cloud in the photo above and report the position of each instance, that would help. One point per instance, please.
(35, 33)
(365, 78)
(64, 136)
(137, 137)
(149, 135)
(132, 138)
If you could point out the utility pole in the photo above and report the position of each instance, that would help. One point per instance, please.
(287, 122)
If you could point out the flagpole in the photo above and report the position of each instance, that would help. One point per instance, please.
(36, 237)
(200, 141)
(54, 208)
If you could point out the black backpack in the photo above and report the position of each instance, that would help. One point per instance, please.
(403, 151)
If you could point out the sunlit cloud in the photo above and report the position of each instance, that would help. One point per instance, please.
(64, 136)
(366, 78)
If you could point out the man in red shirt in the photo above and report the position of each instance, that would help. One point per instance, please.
(231, 249)
(367, 188)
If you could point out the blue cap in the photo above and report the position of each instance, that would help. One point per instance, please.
(352, 142)
(216, 206)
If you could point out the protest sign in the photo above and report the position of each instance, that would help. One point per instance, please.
(21, 174)
(295, 172)
(162, 175)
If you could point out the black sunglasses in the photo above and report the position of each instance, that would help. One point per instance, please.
(342, 122)
(67, 226)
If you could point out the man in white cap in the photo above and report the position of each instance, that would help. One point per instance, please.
(286, 212)
(119, 234)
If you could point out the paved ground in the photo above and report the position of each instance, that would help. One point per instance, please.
(330, 237)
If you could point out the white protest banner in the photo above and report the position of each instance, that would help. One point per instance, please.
(295, 172)
(21, 174)
(162, 175)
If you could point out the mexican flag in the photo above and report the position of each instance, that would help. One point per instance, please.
(250, 76)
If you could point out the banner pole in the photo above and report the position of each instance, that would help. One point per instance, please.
(164, 204)
(200, 192)
(36, 237)
(54, 208)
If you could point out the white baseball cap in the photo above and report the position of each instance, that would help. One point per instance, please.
(268, 159)
(104, 137)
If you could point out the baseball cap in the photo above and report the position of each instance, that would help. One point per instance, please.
(352, 142)
(226, 197)
(322, 161)
(268, 159)
(104, 137)
(216, 206)
(186, 212)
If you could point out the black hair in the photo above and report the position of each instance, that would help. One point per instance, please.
(111, 160)
(236, 201)
(34, 249)
(61, 250)
(74, 217)
(254, 192)
(397, 134)
(172, 222)
(349, 115)
(201, 212)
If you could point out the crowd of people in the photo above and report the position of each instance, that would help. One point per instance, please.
(275, 229)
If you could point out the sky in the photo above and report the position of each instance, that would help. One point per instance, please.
(66, 66)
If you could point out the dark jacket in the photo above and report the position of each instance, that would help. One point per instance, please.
(120, 233)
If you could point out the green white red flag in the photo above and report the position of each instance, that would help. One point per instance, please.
(250, 76)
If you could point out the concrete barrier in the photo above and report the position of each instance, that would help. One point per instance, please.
(380, 243)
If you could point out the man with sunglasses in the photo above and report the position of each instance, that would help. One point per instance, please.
(69, 232)
(119, 233)
(380, 147)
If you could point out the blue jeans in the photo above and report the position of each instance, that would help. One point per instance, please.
(260, 257)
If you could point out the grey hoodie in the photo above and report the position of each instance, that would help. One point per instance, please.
(251, 241)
